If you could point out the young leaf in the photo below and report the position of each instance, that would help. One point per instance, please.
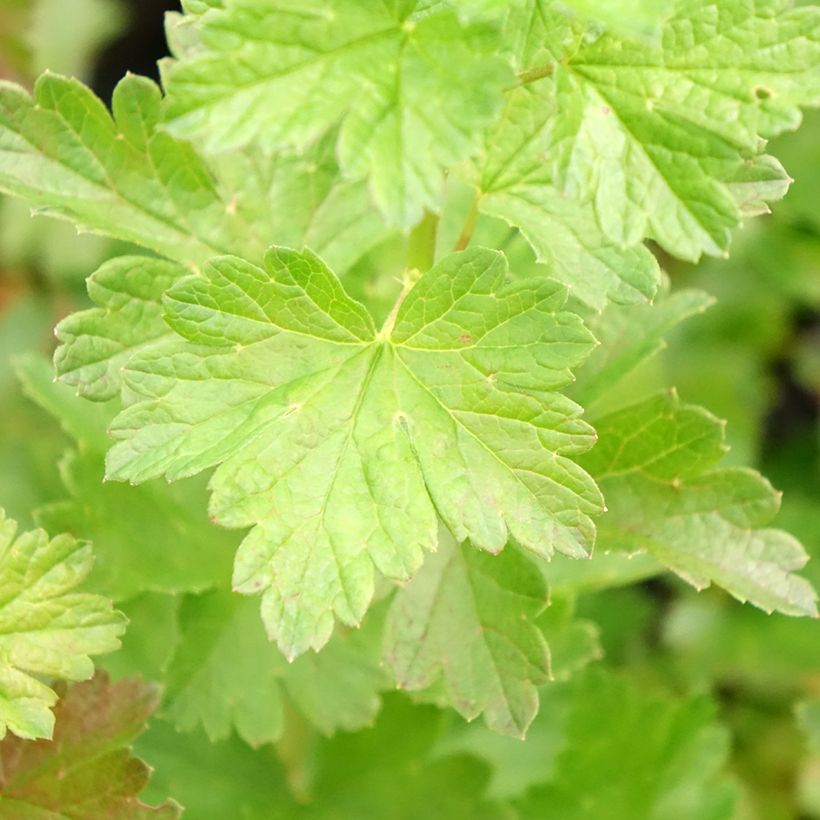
(627, 755)
(454, 412)
(467, 620)
(412, 88)
(226, 674)
(47, 630)
(87, 771)
(658, 135)
(654, 461)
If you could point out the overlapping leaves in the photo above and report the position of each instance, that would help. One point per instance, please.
(454, 413)
(663, 139)
(412, 87)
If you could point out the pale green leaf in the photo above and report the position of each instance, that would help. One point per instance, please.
(655, 463)
(97, 343)
(468, 621)
(573, 642)
(225, 672)
(47, 629)
(643, 17)
(122, 177)
(390, 771)
(412, 88)
(514, 183)
(454, 412)
(658, 135)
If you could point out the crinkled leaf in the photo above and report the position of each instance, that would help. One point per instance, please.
(412, 88)
(655, 463)
(629, 755)
(659, 135)
(226, 675)
(62, 151)
(468, 621)
(47, 629)
(515, 183)
(179, 549)
(454, 412)
(87, 772)
(97, 343)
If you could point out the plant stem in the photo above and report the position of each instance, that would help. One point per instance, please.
(411, 276)
(537, 73)
(421, 254)
(469, 225)
(421, 246)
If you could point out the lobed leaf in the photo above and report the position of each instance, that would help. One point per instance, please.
(658, 136)
(180, 551)
(455, 414)
(226, 675)
(515, 183)
(47, 630)
(468, 620)
(123, 177)
(655, 463)
(411, 86)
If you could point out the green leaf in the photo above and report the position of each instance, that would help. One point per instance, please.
(455, 413)
(179, 549)
(215, 781)
(392, 770)
(225, 671)
(657, 136)
(515, 183)
(655, 463)
(629, 755)
(123, 177)
(468, 621)
(643, 17)
(574, 643)
(97, 343)
(226, 675)
(808, 716)
(411, 87)
(47, 630)
(87, 771)
(629, 335)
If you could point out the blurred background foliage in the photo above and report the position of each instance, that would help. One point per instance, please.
(746, 684)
